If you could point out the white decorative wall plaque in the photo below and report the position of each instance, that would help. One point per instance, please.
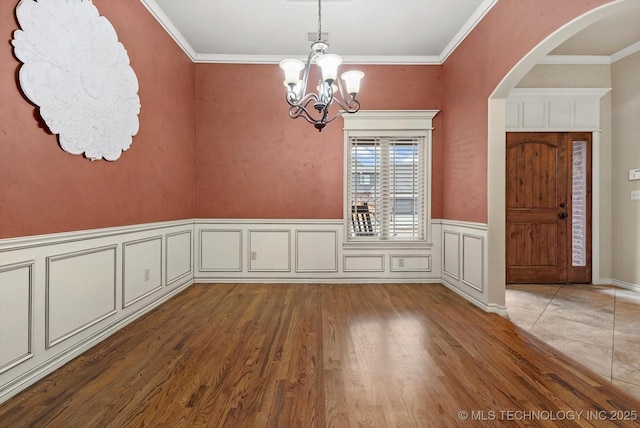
(79, 75)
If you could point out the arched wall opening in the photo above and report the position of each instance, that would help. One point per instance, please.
(496, 152)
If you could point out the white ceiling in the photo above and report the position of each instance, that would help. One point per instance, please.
(361, 31)
(364, 31)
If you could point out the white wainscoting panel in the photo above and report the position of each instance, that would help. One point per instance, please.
(179, 256)
(364, 263)
(308, 258)
(465, 262)
(16, 300)
(141, 269)
(62, 293)
(473, 261)
(410, 263)
(269, 250)
(220, 250)
(279, 250)
(80, 291)
(451, 254)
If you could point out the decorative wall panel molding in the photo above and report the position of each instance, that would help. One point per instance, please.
(274, 250)
(473, 261)
(270, 250)
(179, 256)
(80, 291)
(78, 74)
(308, 258)
(220, 250)
(49, 274)
(364, 263)
(554, 109)
(60, 293)
(451, 254)
(16, 302)
(464, 262)
(410, 263)
(141, 269)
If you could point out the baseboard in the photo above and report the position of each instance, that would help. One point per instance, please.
(487, 307)
(316, 280)
(622, 284)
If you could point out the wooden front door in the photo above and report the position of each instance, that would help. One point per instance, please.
(548, 207)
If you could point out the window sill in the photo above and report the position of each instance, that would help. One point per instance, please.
(386, 245)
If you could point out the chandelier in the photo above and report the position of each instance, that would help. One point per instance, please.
(330, 89)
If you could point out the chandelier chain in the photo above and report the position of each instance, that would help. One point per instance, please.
(319, 19)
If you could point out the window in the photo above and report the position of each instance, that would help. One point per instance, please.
(386, 187)
(387, 176)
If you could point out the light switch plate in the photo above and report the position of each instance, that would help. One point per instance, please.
(635, 195)
(634, 174)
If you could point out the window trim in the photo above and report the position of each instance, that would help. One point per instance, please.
(388, 123)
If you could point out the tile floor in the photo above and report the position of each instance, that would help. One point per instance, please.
(598, 326)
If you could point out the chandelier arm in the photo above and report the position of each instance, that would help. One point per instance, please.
(337, 115)
(351, 106)
(296, 112)
(307, 69)
(349, 103)
(308, 98)
(301, 105)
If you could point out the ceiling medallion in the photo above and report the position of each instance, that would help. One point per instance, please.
(78, 74)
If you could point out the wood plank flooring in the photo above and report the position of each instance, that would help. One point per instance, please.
(297, 355)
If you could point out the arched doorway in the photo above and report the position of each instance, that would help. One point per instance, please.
(497, 139)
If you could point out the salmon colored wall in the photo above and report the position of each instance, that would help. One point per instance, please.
(44, 189)
(253, 161)
(509, 31)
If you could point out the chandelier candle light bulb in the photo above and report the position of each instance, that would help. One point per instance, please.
(329, 64)
(292, 69)
(328, 92)
(352, 79)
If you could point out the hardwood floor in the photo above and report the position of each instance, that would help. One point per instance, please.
(255, 355)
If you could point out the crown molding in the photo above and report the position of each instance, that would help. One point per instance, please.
(168, 26)
(175, 34)
(346, 59)
(468, 26)
(623, 53)
(558, 92)
(576, 60)
(591, 59)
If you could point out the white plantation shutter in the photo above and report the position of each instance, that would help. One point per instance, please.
(387, 187)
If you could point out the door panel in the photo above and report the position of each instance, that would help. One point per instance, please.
(537, 167)
(548, 208)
